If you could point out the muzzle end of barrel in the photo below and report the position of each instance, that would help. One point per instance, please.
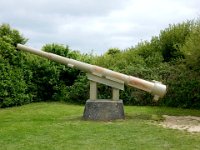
(159, 90)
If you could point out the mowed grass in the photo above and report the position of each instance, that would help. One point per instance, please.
(60, 126)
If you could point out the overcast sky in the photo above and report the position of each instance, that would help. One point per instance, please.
(94, 25)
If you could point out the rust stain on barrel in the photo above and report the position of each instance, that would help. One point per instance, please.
(98, 69)
(138, 83)
(118, 76)
(113, 74)
(49, 56)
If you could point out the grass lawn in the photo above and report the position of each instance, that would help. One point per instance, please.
(59, 126)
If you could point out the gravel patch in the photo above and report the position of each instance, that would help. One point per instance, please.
(188, 123)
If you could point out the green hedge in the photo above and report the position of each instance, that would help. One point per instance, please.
(173, 58)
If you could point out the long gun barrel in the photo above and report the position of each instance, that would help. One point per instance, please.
(155, 88)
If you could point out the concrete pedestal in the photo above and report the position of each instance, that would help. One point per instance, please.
(103, 110)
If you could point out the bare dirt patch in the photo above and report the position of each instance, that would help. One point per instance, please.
(188, 123)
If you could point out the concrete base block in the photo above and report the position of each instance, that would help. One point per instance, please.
(103, 110)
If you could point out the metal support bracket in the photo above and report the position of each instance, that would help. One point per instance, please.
(93, 90)
(115, 84)
(115, 94)
(118, 84)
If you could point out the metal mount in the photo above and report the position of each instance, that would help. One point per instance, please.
(114, 83)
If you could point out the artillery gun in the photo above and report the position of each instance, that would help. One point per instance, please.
(96, 109)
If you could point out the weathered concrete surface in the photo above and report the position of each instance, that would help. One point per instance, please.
(103, 110)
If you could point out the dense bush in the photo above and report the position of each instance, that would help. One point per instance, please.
(13, 85)
(13, 89)
(173, 38)
(173, 58)
(54, 81)
(191, 48)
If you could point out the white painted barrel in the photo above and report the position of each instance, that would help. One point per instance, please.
(156, 88)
